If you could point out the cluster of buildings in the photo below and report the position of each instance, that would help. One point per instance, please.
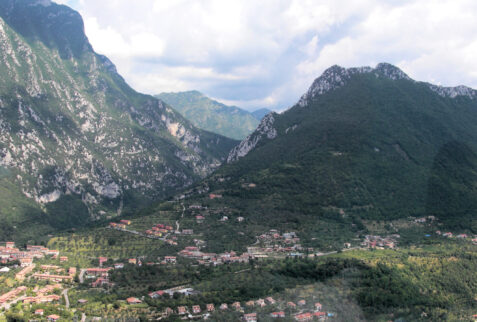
(13, 294)
(9, 253)
(43, 296)
(300, 313)
(179, 290)
(194, 252)
(159, 230)
(121, 225)
(379, 242)
(101, 276)
(56, 277)
(273, 243)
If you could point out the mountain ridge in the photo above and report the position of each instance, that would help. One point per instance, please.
(211, 115)
(75, 136)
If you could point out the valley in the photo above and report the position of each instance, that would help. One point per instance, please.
(357, 203)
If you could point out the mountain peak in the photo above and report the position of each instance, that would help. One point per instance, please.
(56, 26)
(337, 76)
(391, 71)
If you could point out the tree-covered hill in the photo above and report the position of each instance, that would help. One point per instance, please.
(211, 115)
(362, 143)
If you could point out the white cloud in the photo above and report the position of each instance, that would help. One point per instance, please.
(266, 53)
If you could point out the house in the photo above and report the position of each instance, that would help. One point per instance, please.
(133, 300)
(304, 317)
(261, 302)
(125, 222)
(210, 308)
(224, 306)
(53, 317)
(102, 260)
(118, 266)
(236, 305)
(156, 294)
(39, 312)
(27, 261)
(132, 261)
(181, 310)
(72, 271)
(291, 305)
(318, 306)
(10, 244)
(63, 259)
(251, 317)
(101, 281)
(196, 309)
(240, 219)
(168, 311)
(250, 303)
(187, 231)
(170, 259)
(213, 196)
(82, 301)
(200, 219)
(270, 300)
(4, 270)
(319, 315)
(302, 303)
(280, 314)
(462, 236)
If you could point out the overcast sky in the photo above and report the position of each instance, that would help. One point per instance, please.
(266, 53)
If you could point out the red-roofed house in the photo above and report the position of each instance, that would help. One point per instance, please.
(291, 305)
(102, 260)
(236, 305)
(251, 317)
(196, 309)
(210, 308)
(133, 300)
(319, 315)
(280, 314)
(304, 317)
(53, 317)
(39, 312)
(318, 306)
(181, 310)
(301, 302)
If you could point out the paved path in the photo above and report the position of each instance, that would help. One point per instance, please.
(81, 275)
(83, 317)
(67, 300)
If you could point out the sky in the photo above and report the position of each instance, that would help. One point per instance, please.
(266, 53)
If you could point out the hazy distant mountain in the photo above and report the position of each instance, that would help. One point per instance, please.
(260, 113)
(76, 142)
(211, 115)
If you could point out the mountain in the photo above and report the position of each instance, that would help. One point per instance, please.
(362, 145)
(211, 115)
(260, 113)
(76, 142)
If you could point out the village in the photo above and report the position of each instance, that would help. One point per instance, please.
(43, 276)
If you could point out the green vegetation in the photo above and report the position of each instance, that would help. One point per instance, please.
(78, 144)
(211, 115)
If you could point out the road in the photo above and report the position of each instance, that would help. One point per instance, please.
(67, 300)
(83, 317)
(81, 275)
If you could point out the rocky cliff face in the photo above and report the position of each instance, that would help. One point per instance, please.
(71, 126)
